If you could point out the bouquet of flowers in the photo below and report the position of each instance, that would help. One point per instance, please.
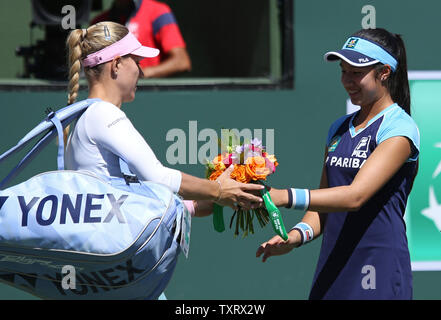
(252, 164)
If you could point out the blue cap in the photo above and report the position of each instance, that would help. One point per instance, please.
(360, 52)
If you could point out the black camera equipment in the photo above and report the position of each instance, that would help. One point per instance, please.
(46, 59)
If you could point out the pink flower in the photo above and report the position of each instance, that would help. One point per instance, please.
(270, 165)
(227, 160)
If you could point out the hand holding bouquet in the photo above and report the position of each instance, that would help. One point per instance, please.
(252, 164)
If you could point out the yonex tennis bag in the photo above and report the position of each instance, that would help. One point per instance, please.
(73, 235)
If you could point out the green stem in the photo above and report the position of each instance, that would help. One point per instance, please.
(251, 222)
(218, 218)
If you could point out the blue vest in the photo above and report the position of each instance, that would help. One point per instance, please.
(364, 254)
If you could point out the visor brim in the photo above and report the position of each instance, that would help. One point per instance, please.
(352, 57)
(146, 52)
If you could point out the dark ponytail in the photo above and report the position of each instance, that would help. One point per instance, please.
(398, 82)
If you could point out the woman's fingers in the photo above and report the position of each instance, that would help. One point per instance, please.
(265, 249)
(236, 194)
(274, 247)
(251, 192)
(261, 249)
(251, 186)
(250, 197)
(226, 174)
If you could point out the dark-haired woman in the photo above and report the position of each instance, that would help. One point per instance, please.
(369, 168)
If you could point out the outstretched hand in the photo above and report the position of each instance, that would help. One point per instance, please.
(235, 194)
(276, 246)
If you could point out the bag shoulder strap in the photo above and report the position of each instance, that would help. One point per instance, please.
(52, 126)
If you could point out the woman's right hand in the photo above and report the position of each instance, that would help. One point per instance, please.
(235, 194)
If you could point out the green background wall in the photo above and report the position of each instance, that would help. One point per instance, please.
(220, 266)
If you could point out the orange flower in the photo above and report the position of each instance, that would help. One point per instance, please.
(217, 159)
(215, 174)
(240, 174)
(220, 166)
(256, 168)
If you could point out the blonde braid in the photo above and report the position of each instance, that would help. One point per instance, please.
(73, 44)
(75, 54)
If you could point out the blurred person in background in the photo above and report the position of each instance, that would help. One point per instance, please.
(154, 25)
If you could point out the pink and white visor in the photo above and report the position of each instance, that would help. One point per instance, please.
(127, 45)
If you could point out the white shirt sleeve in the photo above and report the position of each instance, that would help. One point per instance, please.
(109, 127)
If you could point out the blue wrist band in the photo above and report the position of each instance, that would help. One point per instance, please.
(306, 231)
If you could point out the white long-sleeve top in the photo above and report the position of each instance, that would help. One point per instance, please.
(102, 135)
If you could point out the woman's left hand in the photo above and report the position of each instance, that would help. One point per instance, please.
(276, 246)
(236, 194)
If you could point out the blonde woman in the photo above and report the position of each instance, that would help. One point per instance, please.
(110, 55)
